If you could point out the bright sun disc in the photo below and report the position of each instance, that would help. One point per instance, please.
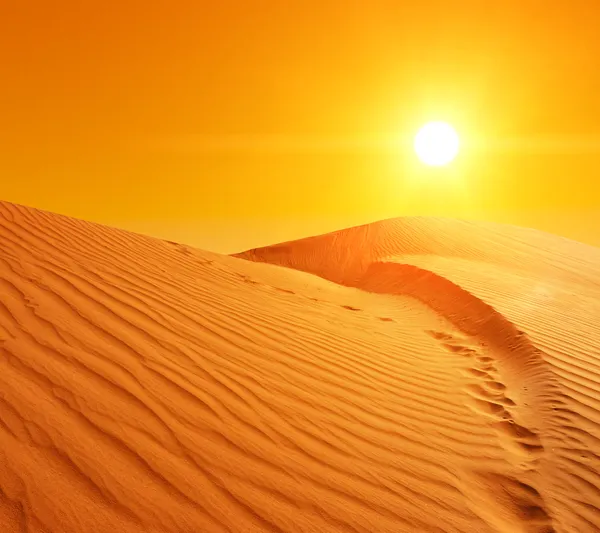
(436, 143)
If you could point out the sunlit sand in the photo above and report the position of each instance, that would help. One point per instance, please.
(416, 374)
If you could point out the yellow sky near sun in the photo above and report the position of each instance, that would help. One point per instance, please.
(233, 124)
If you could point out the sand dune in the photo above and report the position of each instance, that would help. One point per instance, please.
(410, 375)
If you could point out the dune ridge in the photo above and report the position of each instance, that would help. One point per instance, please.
(532, 380)
(150, 386)
(543, 404)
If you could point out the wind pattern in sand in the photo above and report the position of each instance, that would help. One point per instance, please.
(410, 375)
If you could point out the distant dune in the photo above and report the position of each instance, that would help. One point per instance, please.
(411, 375)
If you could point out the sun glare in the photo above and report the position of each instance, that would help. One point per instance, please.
(436, 143)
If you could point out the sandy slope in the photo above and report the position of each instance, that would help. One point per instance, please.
(533, 301)
(437, 376)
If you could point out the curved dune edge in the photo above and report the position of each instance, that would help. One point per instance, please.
(467, 312)
(464, 310)
(518, 364)
(546, 411)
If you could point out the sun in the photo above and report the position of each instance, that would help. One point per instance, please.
(436, 143)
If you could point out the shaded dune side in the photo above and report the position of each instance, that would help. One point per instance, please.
(567, 425)
(344, 253)
(517, 367)
(464, 310)
(563, 326)
(543, 407)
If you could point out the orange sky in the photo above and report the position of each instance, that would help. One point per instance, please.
(235, 124)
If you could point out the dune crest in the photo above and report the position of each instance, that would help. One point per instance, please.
(446, 265)
(379, 383)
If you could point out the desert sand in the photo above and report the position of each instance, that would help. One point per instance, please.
(411, 375)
